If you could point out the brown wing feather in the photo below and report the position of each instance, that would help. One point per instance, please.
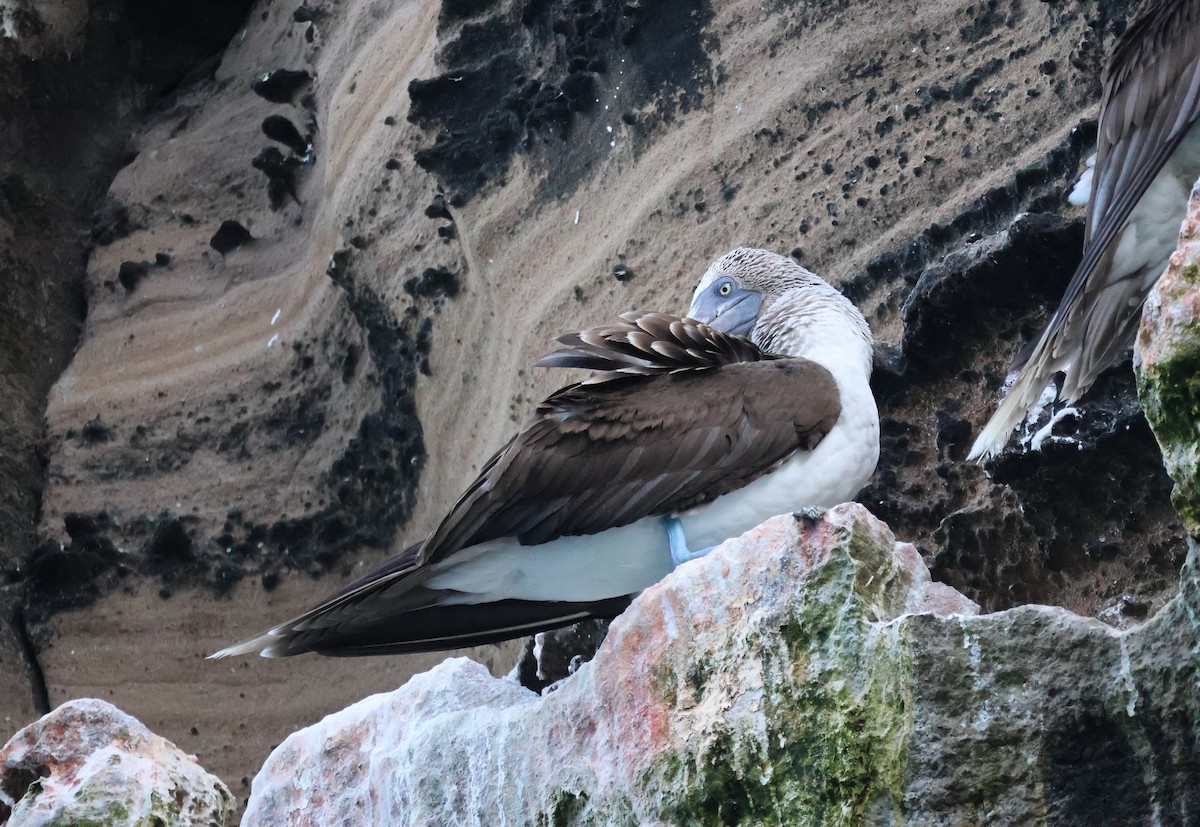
(1151, 98)
(682, 415)
(607, 454)
(650, 343)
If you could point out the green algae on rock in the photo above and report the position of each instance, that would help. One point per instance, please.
(1167, 361)
(833, 701)
(768, 683)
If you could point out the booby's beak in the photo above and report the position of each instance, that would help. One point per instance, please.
(735, 315)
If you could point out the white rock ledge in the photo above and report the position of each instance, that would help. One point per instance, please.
(728, 688)
(88, 763)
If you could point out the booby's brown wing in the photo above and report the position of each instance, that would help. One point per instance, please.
(1151, 97)
(681, 415)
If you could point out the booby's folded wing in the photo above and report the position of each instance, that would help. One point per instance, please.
(1151, 100)
(681, 415)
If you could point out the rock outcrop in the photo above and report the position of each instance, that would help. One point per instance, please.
(768, 680)
(1167, 357)
(87, 762)
(806, 673)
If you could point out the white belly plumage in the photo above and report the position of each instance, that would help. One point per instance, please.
(626, 560)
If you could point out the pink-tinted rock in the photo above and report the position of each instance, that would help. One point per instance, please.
(713, 693)
(89, 763)
(1168, 364)
(806, 673)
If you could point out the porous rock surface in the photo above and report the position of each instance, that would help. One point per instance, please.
(299, 257)
(87, 762)
(806, 673)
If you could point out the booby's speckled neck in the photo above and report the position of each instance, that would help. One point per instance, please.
(816, 322)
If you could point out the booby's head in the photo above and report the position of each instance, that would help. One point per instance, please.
(777, 304)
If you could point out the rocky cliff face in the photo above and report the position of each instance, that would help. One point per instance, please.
(322, 260)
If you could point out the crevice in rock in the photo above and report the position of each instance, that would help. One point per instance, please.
(66, 143)
(15, 783)
(37, 678)
(549, 657)
(171, 41)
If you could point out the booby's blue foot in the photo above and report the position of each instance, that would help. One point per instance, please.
(679, 549)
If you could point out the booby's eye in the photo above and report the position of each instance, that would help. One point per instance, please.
(725, 289)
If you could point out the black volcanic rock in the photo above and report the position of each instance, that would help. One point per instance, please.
(278, 128)
(493, 101)
(281, 175)
(132, 272)
(281, 85)
(229, 236)
(986, 284)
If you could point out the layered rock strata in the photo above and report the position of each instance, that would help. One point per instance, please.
(330, 252)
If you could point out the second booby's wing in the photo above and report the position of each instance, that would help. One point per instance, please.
(1150, 102)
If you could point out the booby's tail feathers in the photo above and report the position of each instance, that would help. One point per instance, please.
(1089, 332)
(389, 612)
(431, 629)
(1025, 392)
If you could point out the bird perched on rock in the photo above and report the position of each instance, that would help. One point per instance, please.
(1147, 159)
(691, 431)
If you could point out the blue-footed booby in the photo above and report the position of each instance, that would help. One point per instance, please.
(691, 431)
(1147, 159)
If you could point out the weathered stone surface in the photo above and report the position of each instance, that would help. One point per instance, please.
(1168, 364)
(87, 762)
(766, 682)
(806, 673)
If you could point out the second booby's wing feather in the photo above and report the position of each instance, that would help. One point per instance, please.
(1151, 100)
(1151, 97)
(662, 438)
